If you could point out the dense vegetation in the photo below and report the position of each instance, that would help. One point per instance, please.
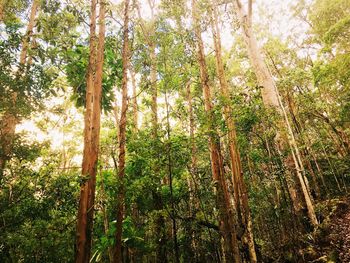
(174, 131)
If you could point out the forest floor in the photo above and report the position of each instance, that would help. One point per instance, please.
(331, 241)
(340, 235)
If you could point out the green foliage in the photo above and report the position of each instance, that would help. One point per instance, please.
(76, 69)
(37, 204)
(31, 83)
(12, 10)
(39, 192)
(331, 20)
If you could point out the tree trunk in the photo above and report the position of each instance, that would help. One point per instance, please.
(91, 136)
(104, 213)
(81, 241)
(161, 253)
(227, 222)
(240, 191)
(272, 99)
(191, 181)
(170, 178)
(135, 107)
(122, 137)
(300, 133)
(153, 79)
(96, 119)
(10, 119)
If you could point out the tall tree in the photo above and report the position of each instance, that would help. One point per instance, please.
(135, 107)
(272, 99)
(149, 33)
(10, 119)
(226, 217)
(240, 189)
(91, 135)
(122, 136)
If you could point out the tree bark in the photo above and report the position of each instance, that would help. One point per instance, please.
(170, 178)
(154, 90)
(300, 133)
(240, 190)
(227, 222)
(271, 98)
(91, 136)
(122, 137)
(10, 119)
(161, 255)
(81, 238)
(135, 107)
(191, 181)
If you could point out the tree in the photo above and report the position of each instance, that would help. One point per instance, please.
(272, 99)
(240, 190)
(10, 118)
(91, 136)
(122, 135)
(227, 226)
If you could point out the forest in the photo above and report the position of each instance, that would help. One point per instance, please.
(174, 131)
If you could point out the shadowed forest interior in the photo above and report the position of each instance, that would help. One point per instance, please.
(174, 131)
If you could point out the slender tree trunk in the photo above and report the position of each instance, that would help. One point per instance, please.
(319, 171)
(29, 32)
(170, 177)
(192, 130)
(300, 133)
(134, 253)
(10, 119)
(193, 167)
(104, 214)
(240, 191)
(91, 136)
(227, 222)
(272, 99)
(193, 202)
(161, 253)
(153, 79)
(135, 107)
(122, 136)
(84, 188)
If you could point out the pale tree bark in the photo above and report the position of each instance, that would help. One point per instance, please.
(91, 136)
(226, 217)
(191, 181)
(135, 107)
(135, 119)
(240, 190)
(153, 79)
(122, 137)
(271, 98)
(10, 119)
(149, 34)
(194, 161)
(170, 179)
(300, 133)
